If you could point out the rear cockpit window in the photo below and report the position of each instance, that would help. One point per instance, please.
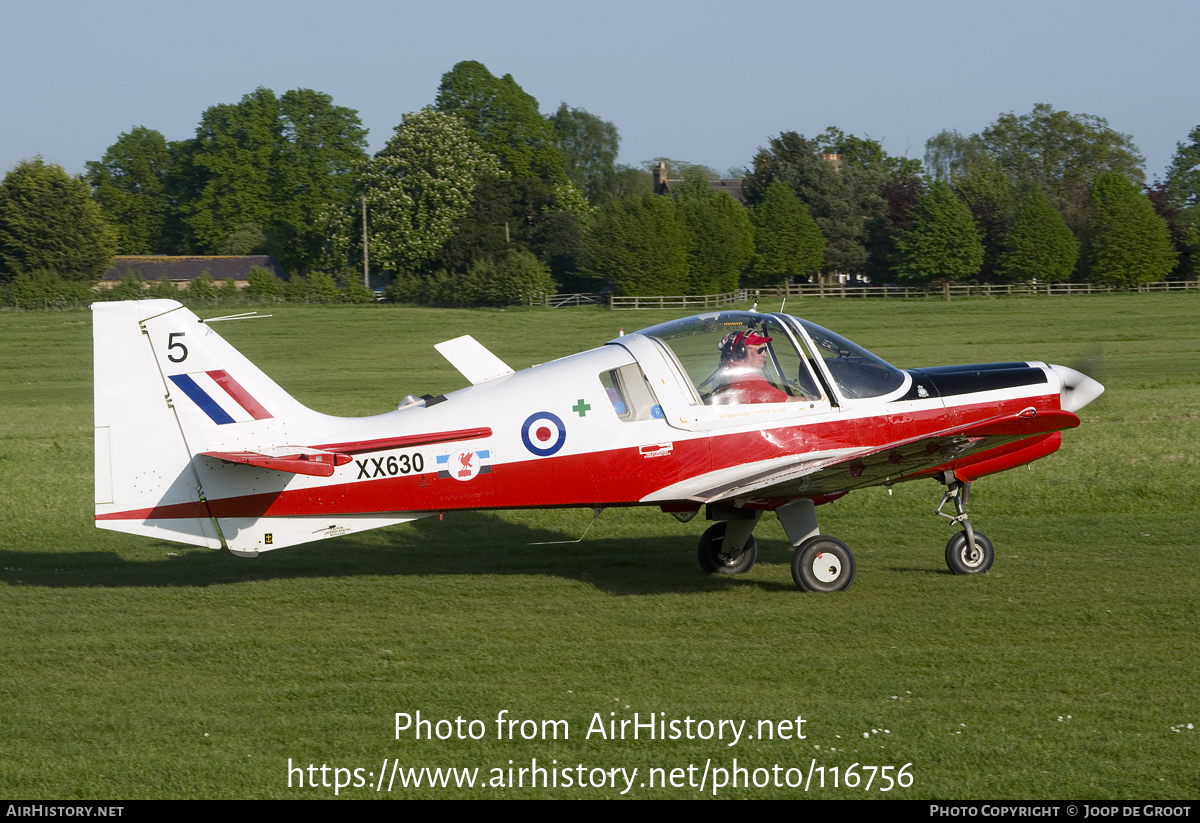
(629, 393)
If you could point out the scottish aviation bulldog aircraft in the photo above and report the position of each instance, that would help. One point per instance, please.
(737, 413)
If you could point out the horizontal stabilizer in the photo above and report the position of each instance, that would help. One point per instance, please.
(312, 462)
(473, 360)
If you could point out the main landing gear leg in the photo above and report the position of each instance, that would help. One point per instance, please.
(969, 551)
(729, 547)
(819, 564)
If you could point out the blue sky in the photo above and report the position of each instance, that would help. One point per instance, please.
(703, 81)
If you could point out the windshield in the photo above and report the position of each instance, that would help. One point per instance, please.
(855, 371)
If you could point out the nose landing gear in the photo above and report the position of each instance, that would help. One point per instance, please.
(969, 551)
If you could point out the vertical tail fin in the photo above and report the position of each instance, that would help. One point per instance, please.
(195, 444)
(167, 389)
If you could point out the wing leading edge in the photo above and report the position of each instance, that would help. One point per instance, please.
(894, 461)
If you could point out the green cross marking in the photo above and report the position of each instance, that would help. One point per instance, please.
(581, 408)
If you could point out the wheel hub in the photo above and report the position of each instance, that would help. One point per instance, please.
(826, 567)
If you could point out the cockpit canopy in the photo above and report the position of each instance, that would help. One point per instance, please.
(803, 361)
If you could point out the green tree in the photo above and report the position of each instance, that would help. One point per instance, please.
(228, 291)
(353, 290)
(324, 150)
(1185, 234)
(1059, 150)
(43, 289)
(235, 157)
(131, 287)
(523, 279)
(682, 169)
(722, 237)
(943, 243)
(504, 120)
(270, 167)
(201, 289)
(1183, 179)
(987, 189)
(865, 154)
(244, 239)
(629, 181)
(558, 242)
(420, 185)
(948, 155)
(982, 183)
(589, 148)
(48, 220)
(899, 195)
(517, 278)
(164, 288)
(130, 184)
(787, 242)
(1038, 244)
(262, 284)
(317, 287)
(640, 245)
(504, 214)
(1127, 242)
(842, 194)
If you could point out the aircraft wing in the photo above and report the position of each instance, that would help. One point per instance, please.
(875, 465)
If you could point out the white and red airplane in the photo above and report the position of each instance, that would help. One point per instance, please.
(736, 412)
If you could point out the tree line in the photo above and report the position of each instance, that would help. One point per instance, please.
(481, 199)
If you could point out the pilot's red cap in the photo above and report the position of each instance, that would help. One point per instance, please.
(752, 338)
(742, 338)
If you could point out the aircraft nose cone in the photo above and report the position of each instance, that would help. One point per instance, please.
(1077, 388)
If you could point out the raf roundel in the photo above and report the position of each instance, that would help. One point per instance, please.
(543, 433)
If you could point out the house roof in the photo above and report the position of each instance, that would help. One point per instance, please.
(662, 185)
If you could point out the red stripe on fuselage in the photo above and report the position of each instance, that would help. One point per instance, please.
(173, 511)
(622, 476)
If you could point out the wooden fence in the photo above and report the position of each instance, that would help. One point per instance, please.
(839, 291)
(557, 301)
(954, 290)
(684, 301)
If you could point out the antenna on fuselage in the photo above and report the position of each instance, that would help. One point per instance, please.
(250, 315)
(598, 510)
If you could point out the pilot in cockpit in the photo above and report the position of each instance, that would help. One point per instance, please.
(739, 378)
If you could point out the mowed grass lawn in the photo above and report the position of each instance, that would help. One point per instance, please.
(134, 668)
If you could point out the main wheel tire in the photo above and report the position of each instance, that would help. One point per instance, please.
(963, 560)
(714, 561)
(823, 564)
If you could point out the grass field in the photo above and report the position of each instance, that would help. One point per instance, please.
(134, 668)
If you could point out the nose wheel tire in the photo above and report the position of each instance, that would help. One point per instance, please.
(963, 559)
(714, 560)
(823, 564)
